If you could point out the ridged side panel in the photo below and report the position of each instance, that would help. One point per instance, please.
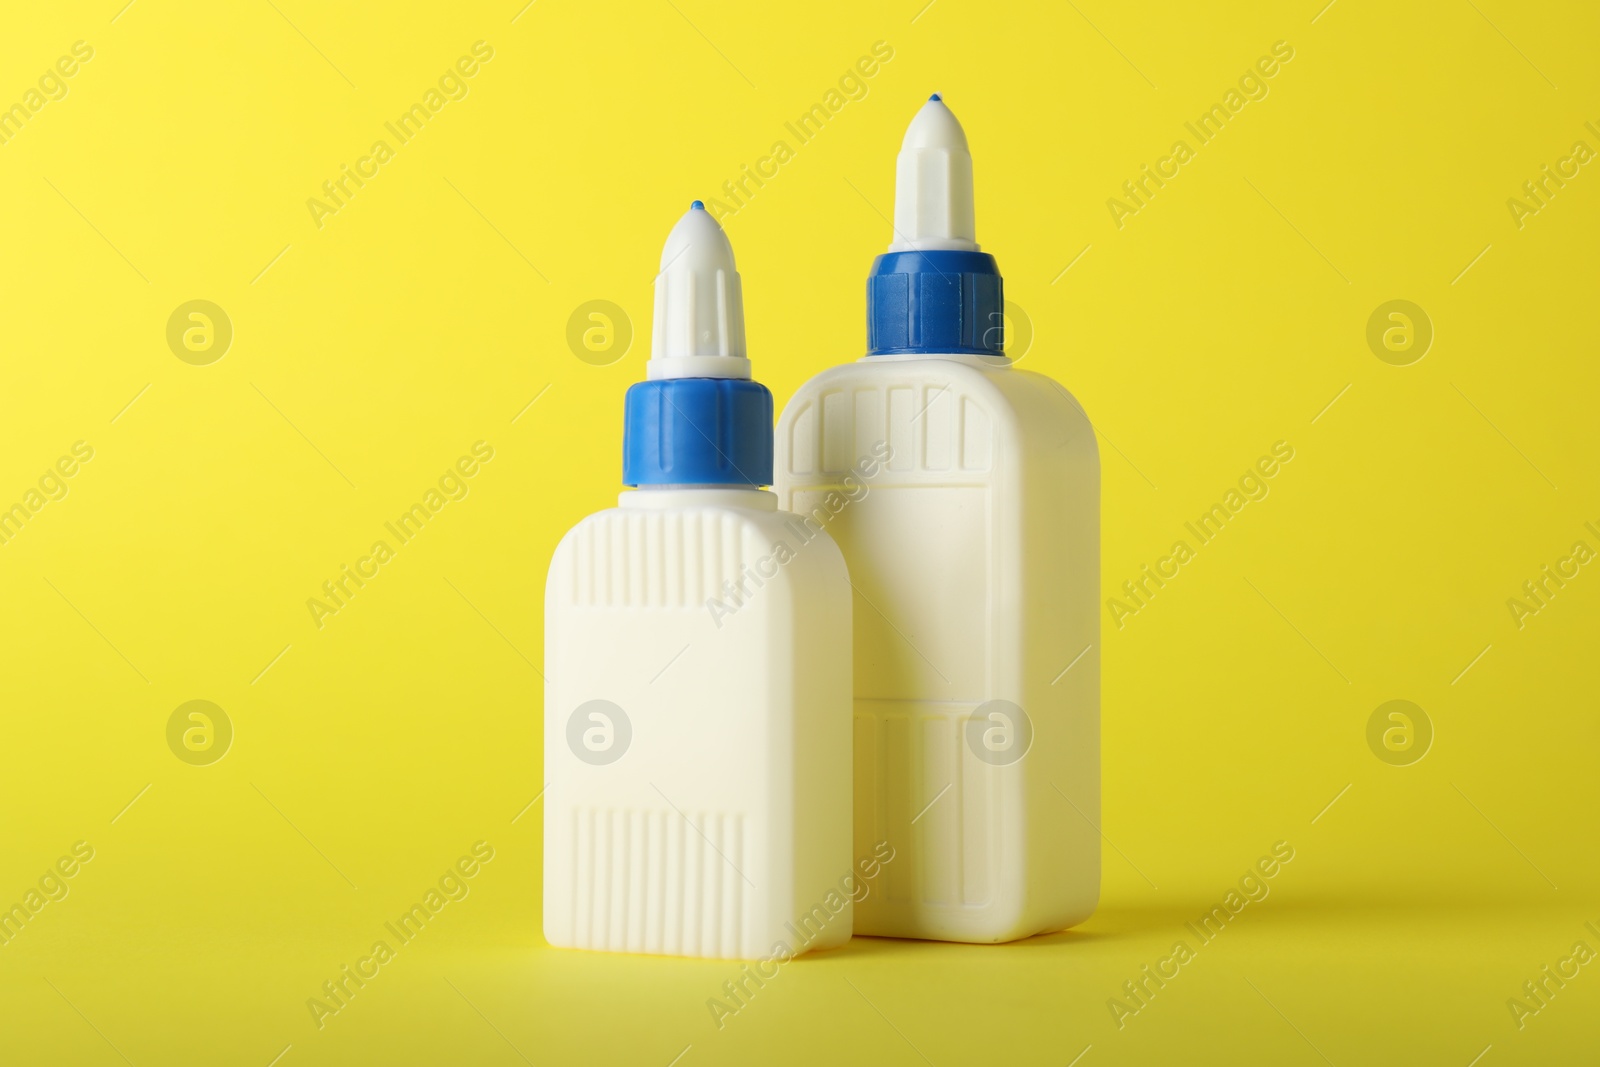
(910, 753)
(929, 792)
(929, 428)
(642, 559)
(648, 881)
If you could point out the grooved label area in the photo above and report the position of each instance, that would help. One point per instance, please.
(647, 881)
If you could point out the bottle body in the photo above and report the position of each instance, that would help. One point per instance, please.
(974, 553)
(699, 634)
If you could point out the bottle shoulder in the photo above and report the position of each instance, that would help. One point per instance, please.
(705, 516)
(727, 533)
(1002, 380)
(1010, 398)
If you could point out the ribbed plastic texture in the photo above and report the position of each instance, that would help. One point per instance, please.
(933, 208)
(697, 431)
(932, 303)
(699, 312)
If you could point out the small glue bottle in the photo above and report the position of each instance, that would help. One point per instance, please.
(697, 667)
(976, 565)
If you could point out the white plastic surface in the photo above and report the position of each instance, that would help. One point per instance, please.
(699, 309)
(975, 559)
(933, 185)
(974, 554)
(723, 828)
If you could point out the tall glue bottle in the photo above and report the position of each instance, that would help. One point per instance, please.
(697, 658)
(974, 554)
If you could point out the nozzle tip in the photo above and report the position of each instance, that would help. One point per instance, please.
(697, 206)
(935, 96)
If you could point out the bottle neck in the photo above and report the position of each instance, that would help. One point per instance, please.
(660, 497)
(985, 362)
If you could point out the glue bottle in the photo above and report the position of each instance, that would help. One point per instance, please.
(697, 667)
(974, 555)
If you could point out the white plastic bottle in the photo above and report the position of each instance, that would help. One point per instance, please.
(974, 554)
(697, 657)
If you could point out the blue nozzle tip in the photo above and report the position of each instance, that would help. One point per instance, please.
(935, 96)
(697, 206)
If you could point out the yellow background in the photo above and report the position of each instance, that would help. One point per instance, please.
(370, 353)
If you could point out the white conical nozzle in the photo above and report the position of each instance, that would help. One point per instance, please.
(933, 185)
(699, 328)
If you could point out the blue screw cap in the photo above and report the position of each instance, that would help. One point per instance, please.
(697, 431)
(935, 303)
